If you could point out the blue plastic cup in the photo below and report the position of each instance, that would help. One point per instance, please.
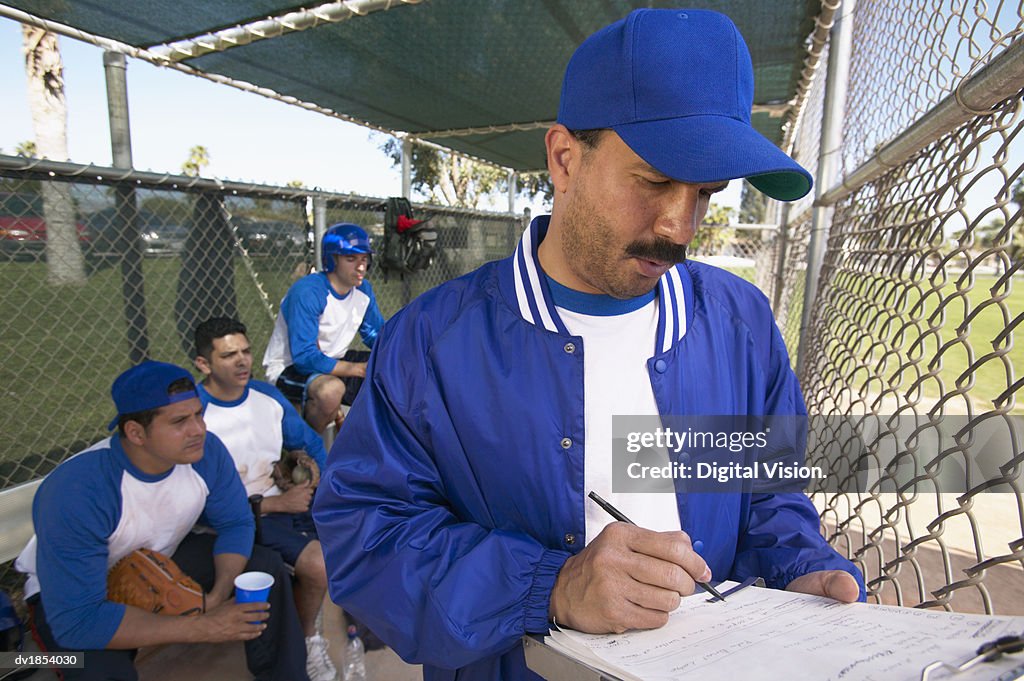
(253, 587)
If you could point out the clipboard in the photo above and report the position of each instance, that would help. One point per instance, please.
(557, 665)
(555, 662)
(993, 650)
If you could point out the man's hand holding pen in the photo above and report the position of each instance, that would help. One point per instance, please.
(627, 578)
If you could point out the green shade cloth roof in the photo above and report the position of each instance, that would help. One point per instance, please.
(440, 64)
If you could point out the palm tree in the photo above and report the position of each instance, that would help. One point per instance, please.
(45, 72)
(26, 149)
(198, 158)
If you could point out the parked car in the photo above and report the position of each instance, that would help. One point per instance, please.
(23, 227)
(270, 238)
(164, 239)
(160, 237)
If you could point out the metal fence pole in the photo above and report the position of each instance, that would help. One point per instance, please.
(407, 167)
(512, 177)
(319, 227)
(780, 262)
(115, 69)
(836, 85)
(126, 214)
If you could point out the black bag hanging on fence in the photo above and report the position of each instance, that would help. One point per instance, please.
(409, 246)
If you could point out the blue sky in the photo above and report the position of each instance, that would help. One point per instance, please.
(250, 138)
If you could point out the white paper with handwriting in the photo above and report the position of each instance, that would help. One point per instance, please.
(767, 634)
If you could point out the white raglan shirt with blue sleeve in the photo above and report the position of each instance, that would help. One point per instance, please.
(316, 326)
(255, 428)
(96, 508)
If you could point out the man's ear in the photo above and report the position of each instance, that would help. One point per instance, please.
(563, 156)
(203, 366)
(135, 433)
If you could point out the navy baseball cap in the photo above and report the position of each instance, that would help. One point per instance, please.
(144, 387)
(678, 86)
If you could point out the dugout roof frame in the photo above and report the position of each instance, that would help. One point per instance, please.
(481, 77)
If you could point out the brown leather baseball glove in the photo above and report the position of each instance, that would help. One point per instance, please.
(295, 468)
(152, 581)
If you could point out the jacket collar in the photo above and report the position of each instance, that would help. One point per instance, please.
(534, 303)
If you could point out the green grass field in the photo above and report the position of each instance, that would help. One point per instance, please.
(61, 349)
(958, 350)
(991, 374)
(949, 330)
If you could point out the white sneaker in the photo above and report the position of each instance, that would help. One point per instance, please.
(318, 663)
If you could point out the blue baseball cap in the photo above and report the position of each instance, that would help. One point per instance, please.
(144, 387)
(678, 86)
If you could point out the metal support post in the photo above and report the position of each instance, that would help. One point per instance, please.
(125, 220)
(512, 190)
(407, 167)
(836, 85)
(780, 262)
(115, 68)
(319, 227)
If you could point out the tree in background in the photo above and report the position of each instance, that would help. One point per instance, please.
(719, 216)
(168, 206)
(997, 232)
(753, 205)
(532, 185)
(44, 70)
(27, 149)
(755, 209)
(198, 158)
(714, 233)
(455, 180)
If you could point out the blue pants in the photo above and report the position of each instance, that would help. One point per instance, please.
(293, 384)
(288, 533)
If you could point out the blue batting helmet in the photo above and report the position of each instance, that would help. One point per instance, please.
(343, 238)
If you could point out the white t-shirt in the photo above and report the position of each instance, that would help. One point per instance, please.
(617, 342)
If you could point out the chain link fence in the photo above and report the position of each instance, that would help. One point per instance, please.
(121, 297)
(745, 250)
(99, 273)
(920, 299)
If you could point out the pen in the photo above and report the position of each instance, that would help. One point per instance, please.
(618, 515)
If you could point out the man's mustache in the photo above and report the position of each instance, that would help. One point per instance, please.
(658, 251)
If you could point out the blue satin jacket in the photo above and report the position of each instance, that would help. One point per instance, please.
(454, 493)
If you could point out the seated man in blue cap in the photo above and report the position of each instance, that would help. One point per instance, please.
(464, 522)
(308, 356)
(146, 487)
